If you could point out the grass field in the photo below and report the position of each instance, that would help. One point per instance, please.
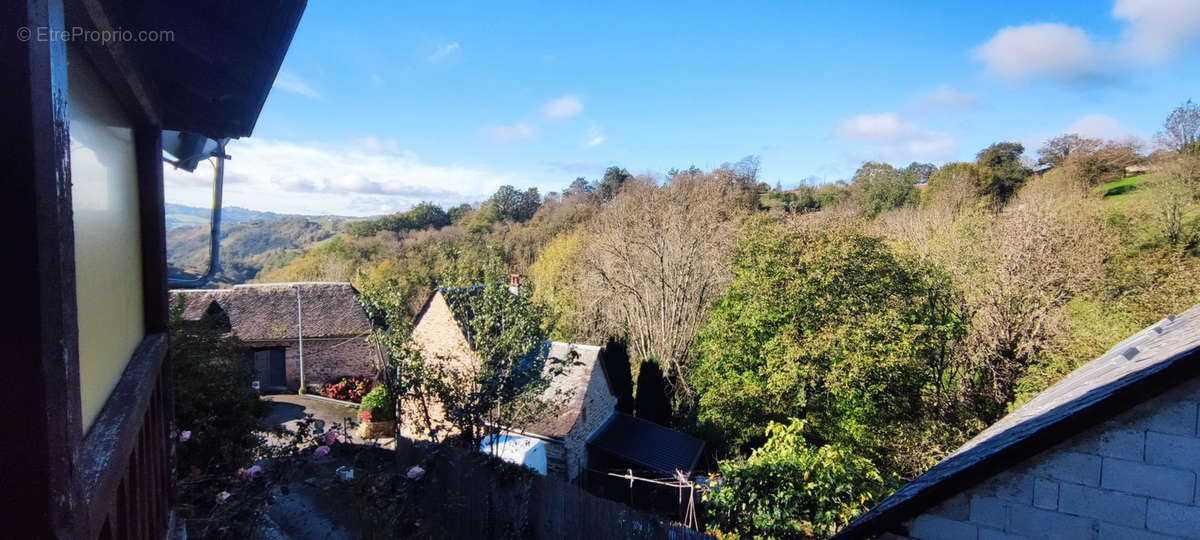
(1121, 187)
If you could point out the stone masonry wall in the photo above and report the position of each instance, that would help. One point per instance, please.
(441, 340)
(1131, 478)
(598, 405)
(326, 360)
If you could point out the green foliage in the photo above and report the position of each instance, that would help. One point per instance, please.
(879, 187)
(422, 216)
(380, 403)
(215, 403)
(1001, 172)
(510, 372)
(828, 326)
(617, 366)
(508, 204)
(952, 188)
(612, 182)
(789, 488)
(653, 402)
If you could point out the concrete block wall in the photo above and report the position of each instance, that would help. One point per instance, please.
(1133, 477)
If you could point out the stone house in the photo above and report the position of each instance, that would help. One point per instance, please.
(565, 429)
(295, 334)
(1111, 451)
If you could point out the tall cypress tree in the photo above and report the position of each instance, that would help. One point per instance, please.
(652, 401)
(615, 356)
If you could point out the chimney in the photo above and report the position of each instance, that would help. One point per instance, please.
(514, 284)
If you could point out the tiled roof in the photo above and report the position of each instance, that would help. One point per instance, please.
(644, 443)
(267, 312)
(576, 376)
(1144, 365)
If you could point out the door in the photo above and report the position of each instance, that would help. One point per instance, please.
(270, 368)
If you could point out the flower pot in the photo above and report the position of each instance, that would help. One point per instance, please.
(375, 430)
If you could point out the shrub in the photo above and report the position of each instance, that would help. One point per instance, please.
(217, 409)
(348, 389)
(379, 405)
(791, 489)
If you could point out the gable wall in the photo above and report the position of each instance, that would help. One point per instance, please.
(1133, 477)
(598, 405)
(441, 340)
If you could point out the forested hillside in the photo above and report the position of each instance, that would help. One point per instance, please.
(851, 334)
(250, 241)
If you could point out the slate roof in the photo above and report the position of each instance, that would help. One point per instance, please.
(647, 444)
(1135, 370)
(576, 376)
(267, 312)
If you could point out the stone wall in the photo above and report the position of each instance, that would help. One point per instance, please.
(598, 405)
(325, 359)
(1133, 477)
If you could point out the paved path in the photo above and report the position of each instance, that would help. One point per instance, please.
(289, 409)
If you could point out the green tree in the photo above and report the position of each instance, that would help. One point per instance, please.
(504, 387)
(612, 182)
(790, 488)
(617, 366)
(879, 187)
(652, 402)
(824, 325)
(1001, 172)
(214, 401)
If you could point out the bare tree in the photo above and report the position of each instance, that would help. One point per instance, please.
(1058, 149)
(1182, 127)
(657, 257)
(1019, 269)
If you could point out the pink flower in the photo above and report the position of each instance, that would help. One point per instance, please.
(331, 437)
(320, 451)
(365, 415)
(222, 496)
(184, 436)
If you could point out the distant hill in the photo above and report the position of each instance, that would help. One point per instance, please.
(250, 240)
(179, 215)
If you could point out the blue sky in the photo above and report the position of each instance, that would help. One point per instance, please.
(379, 105)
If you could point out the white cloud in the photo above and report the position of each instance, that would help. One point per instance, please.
(291, 83)
(595, 137)
(366, 177)
(887, 136)
(874, 127)
(515, 132)
(443, 51)
(1099, 126)
(945, 98)
(1056, 51)
(1155, 32)
(563, 107)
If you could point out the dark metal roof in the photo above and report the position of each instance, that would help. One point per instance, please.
(647, 444)
(1137, 369)
(212, 72)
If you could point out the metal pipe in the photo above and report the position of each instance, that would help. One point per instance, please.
(300, 337)
(214, 242)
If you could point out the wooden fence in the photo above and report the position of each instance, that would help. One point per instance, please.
(477, 499)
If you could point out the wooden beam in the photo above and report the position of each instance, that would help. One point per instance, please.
(114, 434)
(148, 153)
(115, 61)
(38, 323)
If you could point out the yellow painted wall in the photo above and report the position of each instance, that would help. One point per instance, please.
(108, 256)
